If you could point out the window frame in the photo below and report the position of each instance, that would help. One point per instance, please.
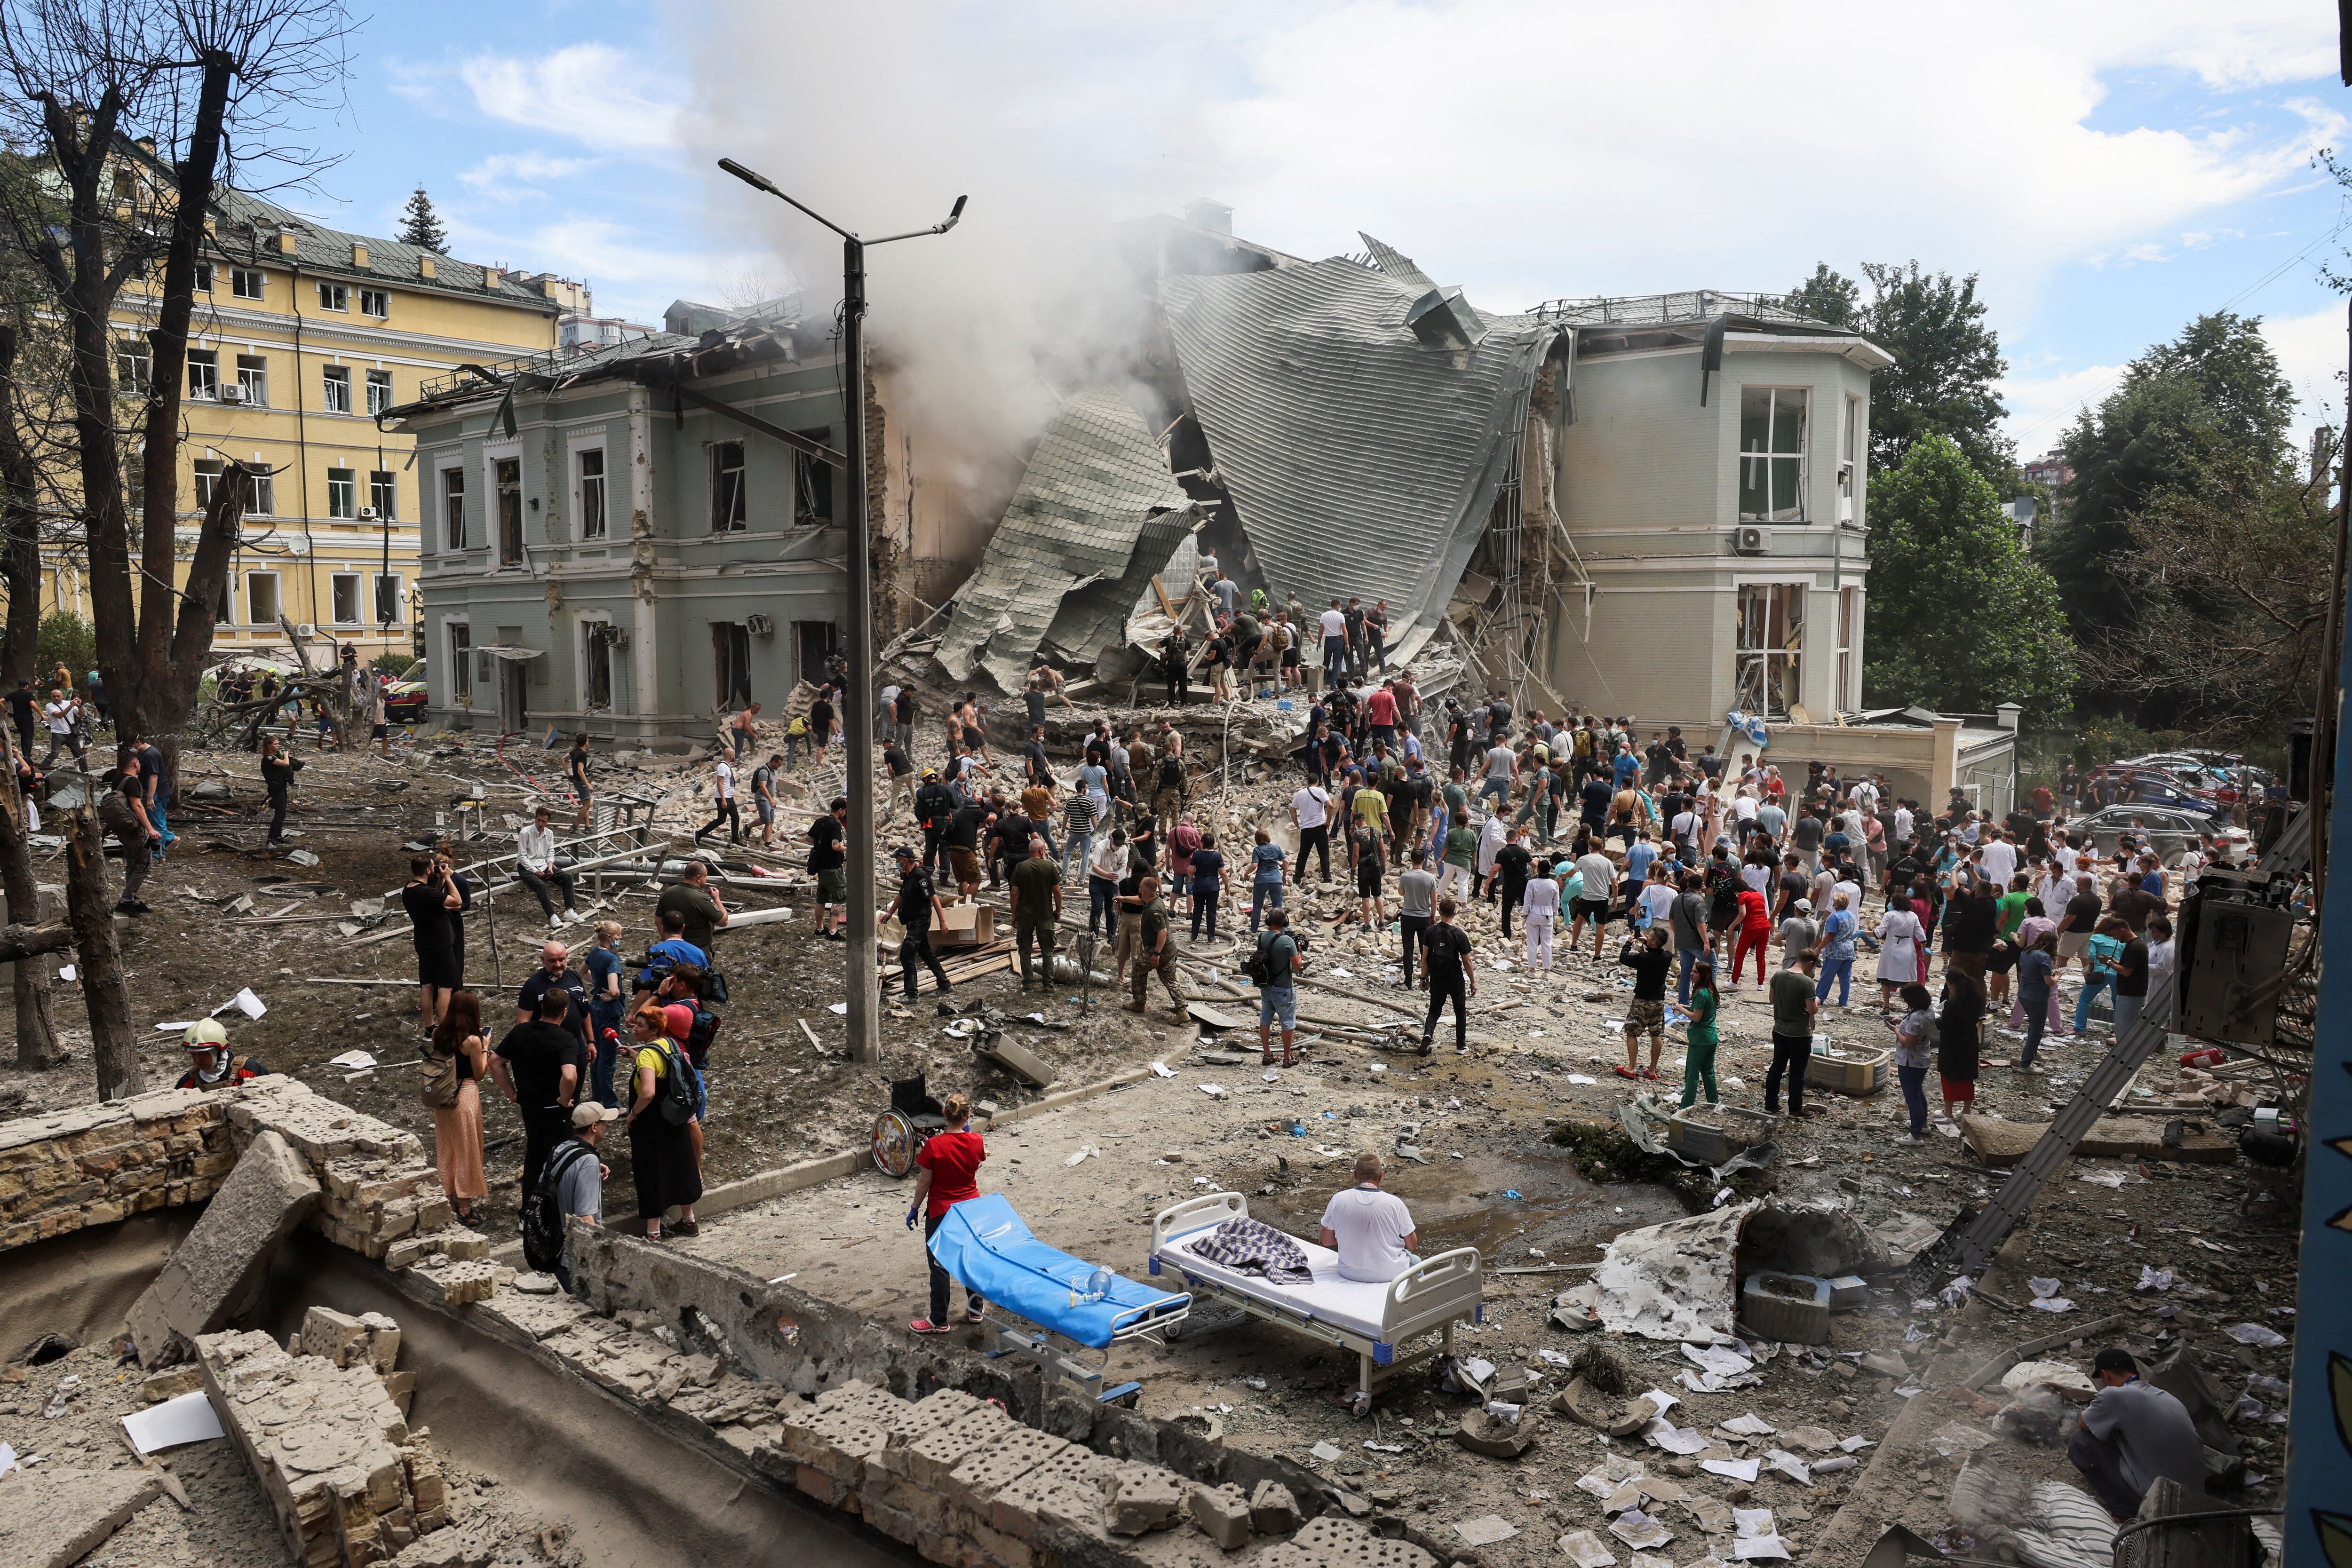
(595, 662)
(376, 302)
(240, 277)
(330, 379)
(1848, 696)
(203, 472)
(130, 352)
(343, 493)
(263, 503)
(1754, 621)
(452, 507)
(1773, 457)
(457, 636)
(730, 503)
(275, 582)
(807, 472)
(253, 379)
(378, 382)
(1850, 461)
(225, 615)
(508, 519)
(203, 277)
(376, 580)
(383, 493)
(335, 297)
(335, 597)
(207, 387)
(592, 493)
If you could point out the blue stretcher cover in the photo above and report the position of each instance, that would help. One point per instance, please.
(984, 1245)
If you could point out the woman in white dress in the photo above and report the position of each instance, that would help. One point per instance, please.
(1901, 939)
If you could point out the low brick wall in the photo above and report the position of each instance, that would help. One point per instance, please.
(95, 1165)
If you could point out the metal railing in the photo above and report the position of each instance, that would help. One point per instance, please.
(1665, 309)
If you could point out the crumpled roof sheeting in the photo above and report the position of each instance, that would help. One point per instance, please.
(1075, 546)
(1360, 460)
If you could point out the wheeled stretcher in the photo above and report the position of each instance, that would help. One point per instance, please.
(1377, 1322)
(984, 1245)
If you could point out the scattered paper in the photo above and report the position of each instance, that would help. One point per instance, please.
(1485, 1529)
(1662, 1399)
(66, 975)
(1582, 1078)
(1855, 1445)
(1789, 1465)
(246, 1002)
(1161, 1070)
(1749, 1426)
(8, 1462)
(175, 1026)
(2255, 1334)
(190, 1418)
(1731, 1470)
(1343, 974)
(2154, 1278)
(841, 1007)
(1753, 1521)
(1724, 1361)
(1830, 1467)
(1958, 1437)
(1664, 1433)
(1084, 1150)
(1584, 1549)
(1326, 1452)
(2053, 1303)
(1213, 1090)
(1636, 1528)
(352, 1059)
(2102, 1178)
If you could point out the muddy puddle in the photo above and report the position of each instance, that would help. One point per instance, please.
(1502, 1201)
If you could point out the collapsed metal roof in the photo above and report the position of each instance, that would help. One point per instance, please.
(1096, 515)
(1362, 420)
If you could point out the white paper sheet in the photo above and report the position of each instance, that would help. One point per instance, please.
(353, 1059)
(190, 1418)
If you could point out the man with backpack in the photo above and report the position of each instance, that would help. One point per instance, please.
(571, 1188)
(1447, 973)
(1273, 970)
(539, 1066)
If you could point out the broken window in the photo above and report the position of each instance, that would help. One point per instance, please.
(262, 499)
(134, 366)
(727, 513)
(814, 642)
(208, 471)
(347, 597)
(204, 374)
(383, 493)
(1850, 460)
(509, 487)
(378, 390)
(334, 297)
(812, 490)
(453, 507)
(253, 379)
(261, 592)
(225, 613)
(1772, 453)
(375, 302)
(1770, 650)
(204, 277)
(592, 493)
(387, 598)
(338, 384)
(461, 663)
(246, 282)
(596, 664)
(730, 651)
(1848, 683)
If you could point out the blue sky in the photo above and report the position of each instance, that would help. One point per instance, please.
(2110, 171)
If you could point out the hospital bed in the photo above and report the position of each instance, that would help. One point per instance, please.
(984, 1244)
(1375, 1321)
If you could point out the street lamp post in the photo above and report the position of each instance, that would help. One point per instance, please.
(865, 994)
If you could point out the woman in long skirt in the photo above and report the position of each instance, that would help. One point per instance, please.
(661, 1151)
(1957, 1039)
(458, 1129)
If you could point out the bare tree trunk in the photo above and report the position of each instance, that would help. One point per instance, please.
(37, 1041)
(20, 541)
(19, 943)
(90, 908)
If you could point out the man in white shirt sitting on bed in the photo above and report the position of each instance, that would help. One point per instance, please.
(1370, 1229)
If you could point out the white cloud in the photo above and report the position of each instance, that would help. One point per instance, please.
(509, 175)
(591, 93)
(2311, 351)
(2041, 407)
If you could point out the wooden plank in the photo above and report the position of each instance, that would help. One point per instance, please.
(1167, 606)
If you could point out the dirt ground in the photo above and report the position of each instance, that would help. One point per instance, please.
(1541, 1055)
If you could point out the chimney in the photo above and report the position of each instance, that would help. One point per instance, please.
(147, 145)
(359, 255)
(492, 278)
(425, 264)
(286, 241)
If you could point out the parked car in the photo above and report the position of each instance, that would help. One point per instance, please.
(2167, 829)
(403, 701)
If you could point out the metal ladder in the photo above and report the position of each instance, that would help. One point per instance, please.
(1969, 1245)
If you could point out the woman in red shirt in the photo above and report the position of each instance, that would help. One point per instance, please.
(947, 1166)
(1755, 932)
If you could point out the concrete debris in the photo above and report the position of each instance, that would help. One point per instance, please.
(216, 1272)
(1673, 1281)
(52, 1517)
(1273, 1510)
(350, 1484)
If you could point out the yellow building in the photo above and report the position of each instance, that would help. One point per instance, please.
(302, 333)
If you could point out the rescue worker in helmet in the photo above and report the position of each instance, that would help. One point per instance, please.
(210, 1065)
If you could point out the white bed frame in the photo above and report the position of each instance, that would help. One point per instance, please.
(1430, 1297)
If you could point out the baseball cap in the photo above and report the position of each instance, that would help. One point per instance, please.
(678, 1020)
(205, 1034)
(905, 853)
(588, 1113)
(1805, 905)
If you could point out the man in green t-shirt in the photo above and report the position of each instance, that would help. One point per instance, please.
(1794, 1007)
(1461, 854)
(697, 901)
(1154, 950)
(1036, 907)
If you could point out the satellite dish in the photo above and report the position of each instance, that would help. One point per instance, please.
(1749, 725)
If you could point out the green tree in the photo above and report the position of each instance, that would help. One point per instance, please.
(1961, 619)
(1827, 297)
(421, 226)
(1947, 367)
(65, 639)
(2204, 415)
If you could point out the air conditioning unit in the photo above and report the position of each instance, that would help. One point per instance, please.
(231, 392)
(306, 631)
(1749, 538)
(367, 514)
(759, 625)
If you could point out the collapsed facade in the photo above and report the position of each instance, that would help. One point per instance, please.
(1652, 506)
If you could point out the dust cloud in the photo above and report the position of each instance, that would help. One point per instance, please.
(879, 116)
